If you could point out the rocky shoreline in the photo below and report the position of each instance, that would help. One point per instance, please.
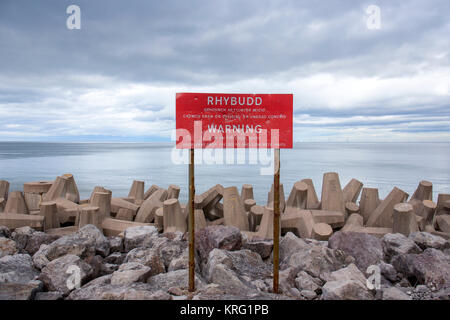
(146, 264)
(54, 245)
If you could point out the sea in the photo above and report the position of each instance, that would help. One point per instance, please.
(115, 166)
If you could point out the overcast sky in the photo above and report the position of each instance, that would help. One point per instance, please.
(115, 79)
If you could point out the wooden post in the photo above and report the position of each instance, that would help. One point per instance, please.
(191, 223)
(276, 220)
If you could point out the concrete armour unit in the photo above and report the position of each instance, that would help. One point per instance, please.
(265, 230)
(313, 201)
(298, 221)
(4, 189)
(322, 231)
(442, 204)
(298, 198)
(404, 219)
(124, 214)
(354, 223)
(148, 208)
(335, 219)
(159, 219)
(114, 227)
(67, 210)
(173, 219)
(63, 187)
(424, 191)
(208, 201)
(199, 220)
(428, 211)
(352, 190)
(90, 215)
(137, 192)
(16, 203)
(49, 210)
(373, 231)
(351, 208)
(173, 192)
(382, 215)
(97, 189)
(255, 215)
(282, 198)
(117, 203)
(34, 192)
(102, 200)
(247, 192)
(332, 196)
(443, 222)
(248, 204)
(233, 209)
(15, 220)
(150, 191)
(2, 204)
(369, 202)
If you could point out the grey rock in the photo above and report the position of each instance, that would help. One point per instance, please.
(262, 247)
(115, 244)
(108, 268)
(393, 293)
(304, 281)
(115, 258)
(17, 268)
(217, 237)
(40, 259)
(148, 257)
(130, 272)
(172, 250)
(388, 271)
(20, 291)
(55, 275)
(396, 243)
(5, 232)
(7, 247)
(140, 236)
(431, 268)
(21, 236)
(180, 262)
(51, 295)
(291, 244)
(235, 268)
(178, 278)
(38, 238)
(427, 240)
(345, 290)
(350, 272)
(310, 295)
(87, 241)
(366, 249)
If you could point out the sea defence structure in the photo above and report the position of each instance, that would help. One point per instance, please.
(56, 206)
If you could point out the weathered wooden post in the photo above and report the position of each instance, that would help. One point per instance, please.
(191, 223)
(276, 220)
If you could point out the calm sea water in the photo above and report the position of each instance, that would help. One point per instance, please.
(116, 165)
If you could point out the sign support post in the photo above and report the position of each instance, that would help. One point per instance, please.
(276, 220)
(191, 223)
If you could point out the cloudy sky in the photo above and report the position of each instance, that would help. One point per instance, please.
(115, 79)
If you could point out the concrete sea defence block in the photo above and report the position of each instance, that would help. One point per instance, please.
(34, 192)
(16, 203)
(49, 210)
(125, 214)
(352, 190)
(443, 204)
(255, 215)
(173, 192)
(15, 220)
(322, 231)
(4, 189)
(90, 215)
(313, 201)
(114, 227)
(173, 218)
(137, 192)
(117, 203)
(63, 187)
(150, 191)
(335, 219)
(298, 198)
(354, 222)
(332, 196)
(382, 215)
(247, 192)
(300, 222)
(67, 210)
(369, 202)
(233, 209)
(424, 191)
(102, 200)
(146, 212)
(404, 219)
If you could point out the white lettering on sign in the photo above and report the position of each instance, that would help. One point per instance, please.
(234, 128)
(233, 101)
